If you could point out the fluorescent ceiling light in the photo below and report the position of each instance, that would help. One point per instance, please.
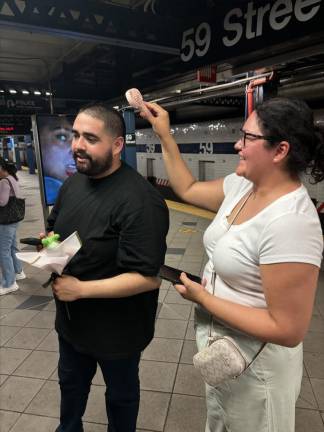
(25, 92)
(37, 92)
(12, 91)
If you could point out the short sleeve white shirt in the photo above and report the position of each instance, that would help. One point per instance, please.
(288, 230)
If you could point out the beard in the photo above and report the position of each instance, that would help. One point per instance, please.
(92, 167)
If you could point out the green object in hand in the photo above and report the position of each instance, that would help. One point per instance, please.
(51, 241)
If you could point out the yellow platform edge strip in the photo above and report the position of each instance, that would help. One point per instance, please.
(186, 208)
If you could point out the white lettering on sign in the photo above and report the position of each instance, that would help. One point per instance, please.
(20, 103)
(150, 148)
(278, 15)
(206, 148)
(281, 9)
(235, 27)
(303, 16)
(195, 41)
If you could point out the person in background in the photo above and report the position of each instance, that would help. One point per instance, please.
(265, 249)
(10, 265)
(106, 301)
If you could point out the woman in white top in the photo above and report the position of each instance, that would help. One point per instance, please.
(10, 266)
(265, 245)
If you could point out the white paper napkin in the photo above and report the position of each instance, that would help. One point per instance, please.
(53, 259)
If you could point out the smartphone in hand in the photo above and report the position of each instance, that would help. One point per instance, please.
(172, 274)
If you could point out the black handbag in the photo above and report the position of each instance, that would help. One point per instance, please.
(14, 210)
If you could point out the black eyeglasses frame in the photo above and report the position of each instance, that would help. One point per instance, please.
(252, 137)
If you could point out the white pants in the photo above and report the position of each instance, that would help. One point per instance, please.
(263, 398)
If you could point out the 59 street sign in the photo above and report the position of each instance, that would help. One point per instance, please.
(252, 26)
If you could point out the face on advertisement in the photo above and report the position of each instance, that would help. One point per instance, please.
(55, 140)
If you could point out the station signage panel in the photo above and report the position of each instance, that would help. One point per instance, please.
(22, 105)
(249, 27)
(14, 125)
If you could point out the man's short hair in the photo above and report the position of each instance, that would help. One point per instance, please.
(113, 120)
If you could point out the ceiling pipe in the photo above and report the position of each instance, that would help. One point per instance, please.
(311, 88)
(207, 92)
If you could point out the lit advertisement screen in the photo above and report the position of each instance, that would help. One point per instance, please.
(56, 160)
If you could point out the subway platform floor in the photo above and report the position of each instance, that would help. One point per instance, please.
(172, 392)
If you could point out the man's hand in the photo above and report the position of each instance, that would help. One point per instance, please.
(41, 236)
(67, 288)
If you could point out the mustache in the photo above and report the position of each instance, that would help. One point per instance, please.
(82, 154)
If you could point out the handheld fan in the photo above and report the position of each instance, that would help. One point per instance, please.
(135, 99)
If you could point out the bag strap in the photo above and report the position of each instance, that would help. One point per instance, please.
(213, 278)
(11, 187)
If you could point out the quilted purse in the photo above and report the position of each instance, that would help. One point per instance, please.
(13, 211)
(220, 360)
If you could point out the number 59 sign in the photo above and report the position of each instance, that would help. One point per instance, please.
(195, 42)
(255, 25)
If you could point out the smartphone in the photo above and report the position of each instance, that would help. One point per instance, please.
(33, 241)
(172, 274)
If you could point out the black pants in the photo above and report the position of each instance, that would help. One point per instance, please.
(76, 370)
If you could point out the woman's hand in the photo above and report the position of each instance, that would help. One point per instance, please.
(191, 290)
(67, 288)
(158, 117)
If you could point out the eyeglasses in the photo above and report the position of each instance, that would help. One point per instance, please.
(252, 137)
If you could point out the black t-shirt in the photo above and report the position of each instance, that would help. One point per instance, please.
(122, 222)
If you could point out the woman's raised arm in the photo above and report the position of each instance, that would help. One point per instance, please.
(207, 194)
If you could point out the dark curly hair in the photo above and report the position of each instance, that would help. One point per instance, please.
(292, 120)
(9, 167)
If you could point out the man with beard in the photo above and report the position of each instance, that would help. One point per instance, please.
(110, 285)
